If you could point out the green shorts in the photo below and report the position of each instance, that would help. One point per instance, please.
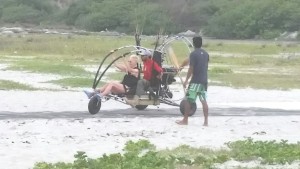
(195, 90)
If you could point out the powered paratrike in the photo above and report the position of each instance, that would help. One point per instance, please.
(164, 55)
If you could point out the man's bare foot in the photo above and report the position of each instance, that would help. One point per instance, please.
(181, 122)
(205, 124)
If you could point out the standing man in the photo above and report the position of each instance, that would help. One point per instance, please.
(198, 85)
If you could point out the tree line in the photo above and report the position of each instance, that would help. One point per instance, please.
(228, 19)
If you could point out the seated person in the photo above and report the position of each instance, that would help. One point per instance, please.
(129, 81)
(149, 66)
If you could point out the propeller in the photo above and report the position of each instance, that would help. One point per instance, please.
(175, 61)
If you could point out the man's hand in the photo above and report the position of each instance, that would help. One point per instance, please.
(185, 84)
(159, 76)
(179, 69)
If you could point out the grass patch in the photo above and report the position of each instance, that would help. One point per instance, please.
(216, 70)
(10, 85)
(262, 72)
(196, 157)
(45, 66)
(258, 81)
(250, 47)
(75, 82)
(58, 54)
(78, 47)
(95, 47)
(143, 154)
(254, 61)
(271, 152)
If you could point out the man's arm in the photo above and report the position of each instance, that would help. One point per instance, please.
(158, 69)
(191, 61)
(185, 63)
(188, 76)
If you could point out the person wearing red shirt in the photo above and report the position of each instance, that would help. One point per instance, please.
(149, 66)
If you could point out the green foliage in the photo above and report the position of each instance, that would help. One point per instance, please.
(49, 67)
(143, 155)
(76, 10)
(137, 147)
(117, 15)
(21, 13)
(10, 85)
(75, 82)
(137, 155)
(248, 19)
(229, 19)
(25, 11)
(271, 152)
(199, 157)
(220, 70)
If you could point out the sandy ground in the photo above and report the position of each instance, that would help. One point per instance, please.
(51, 126)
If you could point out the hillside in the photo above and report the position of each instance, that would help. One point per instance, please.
(225, 19)
(63, 4)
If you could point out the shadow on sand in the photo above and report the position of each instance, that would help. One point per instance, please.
(148, 113)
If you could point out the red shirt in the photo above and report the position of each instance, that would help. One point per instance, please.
(148, 68)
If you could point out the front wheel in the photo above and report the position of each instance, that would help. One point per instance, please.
(193, 107)
(94, 105)
(141, 107)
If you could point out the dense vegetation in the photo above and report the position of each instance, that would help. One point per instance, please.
(217, 18)
(142, 154)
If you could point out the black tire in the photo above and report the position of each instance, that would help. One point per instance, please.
(193, 107)
(169, 94)
(141, 107)
(94, 105)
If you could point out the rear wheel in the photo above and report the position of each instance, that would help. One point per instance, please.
(141, 107)
(193, 107)
(94, 105)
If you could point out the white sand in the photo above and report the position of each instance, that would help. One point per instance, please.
(35, 80)
(51, 126)
(23, 142)
(25, 139)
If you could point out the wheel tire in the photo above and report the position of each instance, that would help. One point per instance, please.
(94, 105)
(193, 107)
(141, 107)
(169, 95)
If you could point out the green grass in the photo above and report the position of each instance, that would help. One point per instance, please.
(77, 47)
(271, 152)
(73, 47)
(258, 81)
(251, 47)
(253, 64)
(74, 82)
(49, 66)
(10, 85)
(143, 154)
(254, 61)
(256, 72)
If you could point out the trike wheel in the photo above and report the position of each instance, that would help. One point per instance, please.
(141, 107)
(193, 107)
(94, 105)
